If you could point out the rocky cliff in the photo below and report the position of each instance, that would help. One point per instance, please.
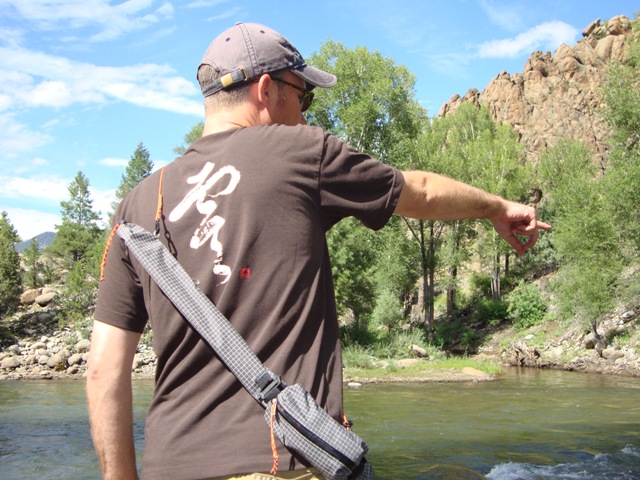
(557, 95)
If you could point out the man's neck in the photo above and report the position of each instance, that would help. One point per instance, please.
(229, 119)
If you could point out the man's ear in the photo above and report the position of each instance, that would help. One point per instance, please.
(265, 93)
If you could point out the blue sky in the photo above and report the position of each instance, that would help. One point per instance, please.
(82, 82)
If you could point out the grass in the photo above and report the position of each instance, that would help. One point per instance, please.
(449, 369)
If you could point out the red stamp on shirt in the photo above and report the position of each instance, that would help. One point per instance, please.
(245, 273)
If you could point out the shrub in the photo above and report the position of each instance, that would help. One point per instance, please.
(490, 311)
(526, 305)
(398, 344)
(357, 356)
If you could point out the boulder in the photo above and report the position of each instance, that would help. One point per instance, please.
(83, 346)
(10, 363)
(45, 299)
(29, 296)
(57, 361)
(418, 351)
(75, 359)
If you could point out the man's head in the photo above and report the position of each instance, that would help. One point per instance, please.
(244, 53)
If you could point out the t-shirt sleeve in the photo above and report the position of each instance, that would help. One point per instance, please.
(355, 184)
(120, 297)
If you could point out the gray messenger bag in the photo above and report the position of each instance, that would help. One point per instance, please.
(295, 418)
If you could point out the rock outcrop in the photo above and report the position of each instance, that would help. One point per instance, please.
(557, 95)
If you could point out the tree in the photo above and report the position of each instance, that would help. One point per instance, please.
(194, 134)
(621, 99)
(31, 260)
(468, 146)
(372, 108)
(139, 167)
(79, 229)
(10, 278)
(584, 233)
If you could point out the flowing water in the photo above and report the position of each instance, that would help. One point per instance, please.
(528, 425)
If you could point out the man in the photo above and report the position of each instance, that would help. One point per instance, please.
(245, 211)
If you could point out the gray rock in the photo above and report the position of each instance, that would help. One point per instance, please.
(10, 363)
(418, 351)
(45, 299)
(75, 359)
(29, 296)
(83, 346)
(57, 361)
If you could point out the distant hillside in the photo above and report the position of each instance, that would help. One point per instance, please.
(43, 240)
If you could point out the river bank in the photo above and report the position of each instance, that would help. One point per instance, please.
(37, 349)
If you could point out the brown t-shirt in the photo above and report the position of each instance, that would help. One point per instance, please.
(245, 212)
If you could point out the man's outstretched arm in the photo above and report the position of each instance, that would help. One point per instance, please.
(429, 196)
(110, 399)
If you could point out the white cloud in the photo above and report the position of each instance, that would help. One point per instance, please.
(508, 16)
(206, 3)
(549, 36)
(35, 79)
(114, 162)
(102, 200)
(50, 191)
(29, 223)
(48, 188)
(16, 138)
(234, 12)
(112, 20)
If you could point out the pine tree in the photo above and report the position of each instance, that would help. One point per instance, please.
(34, 267)
(194, 134)
(139, 167)
(10, 279)
(79, 229)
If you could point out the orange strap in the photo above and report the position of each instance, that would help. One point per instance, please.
(106, 251)
(345, 421)
(160, 200)
(113, 232)
(274, 450)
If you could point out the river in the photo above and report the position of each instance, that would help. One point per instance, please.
(528, 425)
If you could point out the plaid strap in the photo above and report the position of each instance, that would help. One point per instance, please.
(203, 315)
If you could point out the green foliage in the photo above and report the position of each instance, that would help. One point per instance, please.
(194, 134)
(621, 99)
(397, 344)
(357, 356)
(352, 249)
(139, 167)
(79, 230)
(490, 311)
(33, 276)
(456, 335)
(388, 312)
(10, 278)
(373, 106)
(357, 333)
(526, 305)
(585, 233)
(80, 289)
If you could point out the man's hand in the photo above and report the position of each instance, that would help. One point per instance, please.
(518, 219)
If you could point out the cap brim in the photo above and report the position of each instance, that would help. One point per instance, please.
(315, 76)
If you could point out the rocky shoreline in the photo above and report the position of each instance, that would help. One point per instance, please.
(39, 350)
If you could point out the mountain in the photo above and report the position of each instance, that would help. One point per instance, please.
(43, 240)
(557, 96)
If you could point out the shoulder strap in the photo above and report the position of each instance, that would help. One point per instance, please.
(203, 315)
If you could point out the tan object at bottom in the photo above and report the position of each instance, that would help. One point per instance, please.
(307, 474)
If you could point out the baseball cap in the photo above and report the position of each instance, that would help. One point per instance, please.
(246, 51)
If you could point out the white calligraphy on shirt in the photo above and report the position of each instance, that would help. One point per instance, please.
(210, 226)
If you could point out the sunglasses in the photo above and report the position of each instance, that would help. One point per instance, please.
(305, 100)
